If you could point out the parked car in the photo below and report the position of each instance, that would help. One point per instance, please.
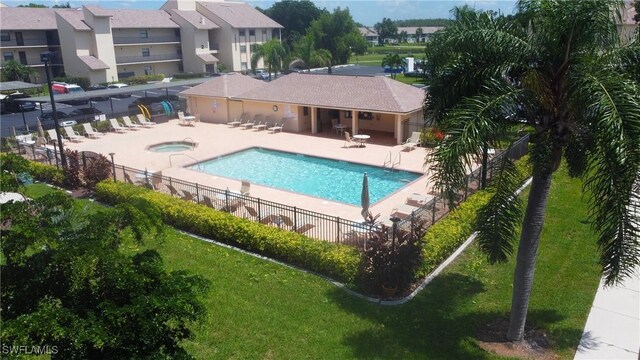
(98, 87)
(84, 114)
(261, 74)
(119, 86)
(413, 74)
(11, 103)
(46, 119)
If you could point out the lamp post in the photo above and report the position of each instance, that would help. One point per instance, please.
(45, 58)
(113, 165)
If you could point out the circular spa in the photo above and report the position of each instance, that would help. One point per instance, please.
(172, 146)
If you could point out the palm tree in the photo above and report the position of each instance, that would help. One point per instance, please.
(15, 71)
(272, 52)
(561, 68)
(306, 55)
(419, 33)
(393, 61)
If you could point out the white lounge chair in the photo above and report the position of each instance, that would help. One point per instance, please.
(144, 122)
(349, 140)
(115, 125)
(244, 188)
(413, 141)
(261, 126)
(181, 118)
(129, 124)
(53, 137)
(251, 124)
(72, 135)
(91, 132)
(276, 127)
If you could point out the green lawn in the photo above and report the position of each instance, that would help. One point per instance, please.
(258, 309)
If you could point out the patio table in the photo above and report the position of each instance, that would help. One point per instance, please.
(361, 139)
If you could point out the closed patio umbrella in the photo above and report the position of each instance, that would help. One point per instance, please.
(40, 129)
(364, 200)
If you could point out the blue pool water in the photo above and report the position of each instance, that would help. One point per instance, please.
(325, 178)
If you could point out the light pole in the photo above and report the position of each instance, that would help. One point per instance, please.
(45, 58)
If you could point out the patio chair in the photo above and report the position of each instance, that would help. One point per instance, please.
(33, 153)
(208, 202)
(250, 124)
(172, 190)
(304, 228)
(115, 125)
(181, 118)
(72, 135)
(413, 141)
(275, 128)
(144, 122)
(91, 132)
(349, 140)
(188, 196)
(261, 126)
(264, 218)
(129, 124)
(244, 188)
(127, 178)
(53, 137)
(236, 122)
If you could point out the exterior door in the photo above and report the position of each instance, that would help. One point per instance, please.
(23, 57)
(19, 40)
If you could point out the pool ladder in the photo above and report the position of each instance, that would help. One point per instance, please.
(391, 162)
(189, 156)
(193, 143)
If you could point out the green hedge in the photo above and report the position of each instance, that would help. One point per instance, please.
(183, 76)
(445, 236)
(46, 173)
(336, 261)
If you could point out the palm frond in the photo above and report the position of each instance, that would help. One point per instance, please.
(613, 172)
(498, 220)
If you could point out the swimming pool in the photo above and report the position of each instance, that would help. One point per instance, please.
(325, 178)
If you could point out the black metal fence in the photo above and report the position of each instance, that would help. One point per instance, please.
(310, 223)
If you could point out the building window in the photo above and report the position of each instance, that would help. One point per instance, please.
(252, 32)
(243, 65)
(180, 67)
(145, 52)
(241, 32)
(4, 36)
(177, 33)
(264, 31)
(243, 48)
(305, 111)
(8, 55)
(144, 34)
(148, 70)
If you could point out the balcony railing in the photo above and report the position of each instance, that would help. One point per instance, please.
(142, 59)
(147, 40)
(27, 42)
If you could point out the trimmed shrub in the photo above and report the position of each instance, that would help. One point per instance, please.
(334, 260)
(183, 76)
(142, 79)
(445, 236)
(46, 173)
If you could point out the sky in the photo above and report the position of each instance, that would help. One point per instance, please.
(367, 12)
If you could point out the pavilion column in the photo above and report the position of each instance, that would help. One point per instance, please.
(354, 122)
(398, 129)
(314, 121)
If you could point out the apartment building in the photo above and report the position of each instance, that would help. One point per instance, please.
(106, 45)
(418, 33)
(370, 36)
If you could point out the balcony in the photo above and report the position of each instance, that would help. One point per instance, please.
(133, 40)
(145, 59)
(27, 43)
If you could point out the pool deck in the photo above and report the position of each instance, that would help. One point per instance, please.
(219, 139)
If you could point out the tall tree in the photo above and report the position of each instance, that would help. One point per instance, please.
(272, 53)
(306, 55)
(295, 16)
(419, 32)
(33, 5)
(402, 36)
(15, 71)
(386, 29)
(336, 33)
(636, 6)
(394, 62)
(561, 68)
(68, 282)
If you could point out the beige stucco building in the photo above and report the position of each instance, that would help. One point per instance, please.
(106, 45)
(312, 102)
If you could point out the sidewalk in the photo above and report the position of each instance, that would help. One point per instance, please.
(613, 327)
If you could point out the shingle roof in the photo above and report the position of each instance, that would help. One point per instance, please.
(225, 86)
(208, 58)
(98, 11)
(93, 62)
(136, 19)
(365, 31)
(425, 29)
(196, 19)
(75, 18)
(376, 93)
(240, 15)
(27, 19)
